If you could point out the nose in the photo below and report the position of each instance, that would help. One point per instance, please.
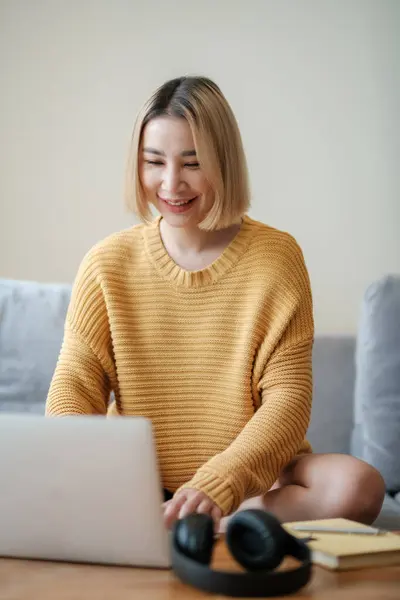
(171, 179)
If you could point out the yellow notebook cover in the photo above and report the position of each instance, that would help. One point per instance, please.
(344, 551)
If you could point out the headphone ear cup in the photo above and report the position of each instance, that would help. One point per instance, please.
(256, 540)
(193, 536)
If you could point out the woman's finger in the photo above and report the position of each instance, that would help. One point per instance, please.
(172, 509)
(191, 504)
(205, 507)
(216, 514)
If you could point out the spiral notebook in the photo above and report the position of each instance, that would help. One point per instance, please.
(343, 551)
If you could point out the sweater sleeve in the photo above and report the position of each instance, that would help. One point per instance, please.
(85, 371)
(276, 432)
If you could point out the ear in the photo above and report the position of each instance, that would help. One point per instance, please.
(256, 539)
(194, 537)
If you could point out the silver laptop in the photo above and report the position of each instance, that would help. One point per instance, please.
(81, 489)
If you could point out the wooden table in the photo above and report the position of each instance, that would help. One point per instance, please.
(36, 580)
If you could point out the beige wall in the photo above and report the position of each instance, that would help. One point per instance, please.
(316, 88)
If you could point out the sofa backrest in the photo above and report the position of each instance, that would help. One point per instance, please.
(32, 319)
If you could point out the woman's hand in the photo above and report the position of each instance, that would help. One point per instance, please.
(190, 501)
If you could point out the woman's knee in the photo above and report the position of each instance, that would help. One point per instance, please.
(366, 498)
(339, 485)
(353, 489)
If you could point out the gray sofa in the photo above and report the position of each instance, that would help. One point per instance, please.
(31, 328)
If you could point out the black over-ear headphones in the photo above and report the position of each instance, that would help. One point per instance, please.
(255, 539)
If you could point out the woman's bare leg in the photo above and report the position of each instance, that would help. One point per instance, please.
(318, 486)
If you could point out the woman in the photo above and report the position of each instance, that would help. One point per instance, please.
(202, 321)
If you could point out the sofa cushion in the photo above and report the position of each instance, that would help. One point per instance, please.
(377, 389)
(32, 319)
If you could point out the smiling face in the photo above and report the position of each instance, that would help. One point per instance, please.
(170, 174)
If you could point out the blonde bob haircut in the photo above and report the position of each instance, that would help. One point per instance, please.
(218, 146)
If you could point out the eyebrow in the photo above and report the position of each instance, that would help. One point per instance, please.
(160, 153)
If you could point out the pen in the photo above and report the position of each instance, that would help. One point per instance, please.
(322, 529)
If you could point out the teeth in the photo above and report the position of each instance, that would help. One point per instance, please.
(178, 203)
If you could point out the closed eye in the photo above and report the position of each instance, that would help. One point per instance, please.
(194, 165)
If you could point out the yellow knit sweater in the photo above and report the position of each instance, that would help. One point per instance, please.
(218, 359)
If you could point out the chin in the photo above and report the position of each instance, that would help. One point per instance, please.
(184, 220)
(180, 221)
